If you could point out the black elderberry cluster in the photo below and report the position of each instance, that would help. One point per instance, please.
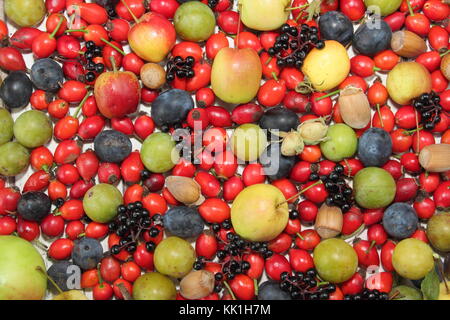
(179, 67)
(132, 220)
(305, 286)
(339, 193)
(92, 51)
(368, 294)
(300, 42)
(430, 109)
(231, 255)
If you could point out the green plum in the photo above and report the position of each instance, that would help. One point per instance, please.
(33, 129)
(438, 231)
(14, 158)
(174, 257)
(154, 286)
(248, 142)
(6, 126)
(405, 293)
(194, 21)
(412, 259)
(101, 201)
(25, 13)
(158, 152)
(20, 277)
(386, 7)
(341, 142)
(374, 188)
(335, 260)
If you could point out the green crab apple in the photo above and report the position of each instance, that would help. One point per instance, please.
(264, 15)
(152, 37)
(14, 158)
(386, 7)
(174, 257)
(6, 126)
(159, 153)
(339, 143)
(335, 260)
(194, 21)
(438, 231)
(412, 259)
(101, 202)
(22, 270)
(236, 75)
(374, 188)
(248, 142)
(259, 212)
(154, 286)
(25, 13)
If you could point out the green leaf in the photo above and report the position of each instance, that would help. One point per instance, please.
(430, 286)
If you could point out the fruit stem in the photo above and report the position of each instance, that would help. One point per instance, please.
(417, 127)
(238, 31)
(61, 20)
(130, 11)
(126, 295)
(268, 61)
(113, 63)
(297, 8)
(300, 236)
(444, 53)
(255, 284)
(377, 69)
(379, 115)
(78, 109)
(113, 46)
(274, 75)
(38, 268)
(370, 247)
(300, 193)
(77, 30)
(328, 95)
(229, 290)
(395, 295)
(411, 11)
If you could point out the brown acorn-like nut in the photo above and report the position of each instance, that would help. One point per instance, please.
(197, 284)
(407, 44)
(435, 157)
(445, 66)
(153, 76)
(184, 189)
(354, 107)
(329, 221)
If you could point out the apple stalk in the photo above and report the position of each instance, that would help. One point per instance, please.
(300, 193)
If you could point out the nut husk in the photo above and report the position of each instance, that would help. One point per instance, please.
(292, 144)
(197, 284)
(407, 44)
(435, 157)
(313, 131)
(354, 107)
(153, 76)
(445, 66)
(329, 221)
(185, 190)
